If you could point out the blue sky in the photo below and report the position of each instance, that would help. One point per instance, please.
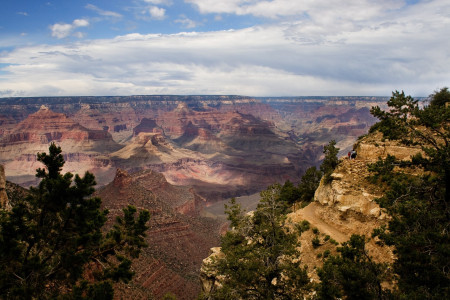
(247, 47)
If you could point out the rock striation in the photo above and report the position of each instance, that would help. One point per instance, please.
(178, 238)
(221, 145)
(84, 149)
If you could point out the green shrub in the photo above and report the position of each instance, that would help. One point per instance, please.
(315, 242)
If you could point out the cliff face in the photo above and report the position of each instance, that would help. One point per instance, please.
(341, 208)
(222, 145)
(347, 205)
(84, 149)
(178, 238)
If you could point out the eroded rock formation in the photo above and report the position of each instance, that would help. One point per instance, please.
(178, 238)
(222, 145)
(343, 207)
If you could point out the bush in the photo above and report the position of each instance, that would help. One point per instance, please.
(316, 242)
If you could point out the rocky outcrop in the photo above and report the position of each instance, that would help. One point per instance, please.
(347, 205)
(343, 207)
(3, 196)
(147, 125)
(208, 274)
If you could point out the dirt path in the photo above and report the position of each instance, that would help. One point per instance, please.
(308, 214)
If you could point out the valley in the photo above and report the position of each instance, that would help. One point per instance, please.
(180, 157)
(222, 146)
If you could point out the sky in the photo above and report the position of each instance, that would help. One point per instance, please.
(224, 47)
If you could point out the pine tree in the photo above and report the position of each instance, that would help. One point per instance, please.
(52, 244)
(331, 161)
(308, 184)
(352, 274)
(419, 205)
(260, 255)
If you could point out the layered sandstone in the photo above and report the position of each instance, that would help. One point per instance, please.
(222, 145)
(219, 154)
(178, 238)
(83, 149)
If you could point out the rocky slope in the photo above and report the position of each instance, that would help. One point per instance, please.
(341, 208)
(178, 238)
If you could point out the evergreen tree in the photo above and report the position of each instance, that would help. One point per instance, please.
(308, 184)
(290, 193)
(331, 161)
(352, 274)
(52, 244)
(419, 205)
(261, 259)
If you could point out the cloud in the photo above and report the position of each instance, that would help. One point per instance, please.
(23, 13)
(80, 23)
(187, 23)
(393, 49)
(316, 9)
(159, 2)
(102, 12)
(63, 30)
(157, 12)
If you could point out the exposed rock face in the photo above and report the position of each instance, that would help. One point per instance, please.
(84, 149)
(341, 208)
(3, 196)
(219, 154)
(208, 275)
(237, 142)
(178, 238)
(347, 205)
(147, 125)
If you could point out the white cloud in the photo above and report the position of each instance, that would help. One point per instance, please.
(316, 9)
(187, 23)
(102, 12)
(157, 12)
(23, 13)
(393, 49)
(159, 2)
(63, 30)
(80, 23)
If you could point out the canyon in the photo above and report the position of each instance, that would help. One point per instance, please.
(176, 155)
(222, 146)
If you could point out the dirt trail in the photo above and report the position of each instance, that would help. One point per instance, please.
(308, 214)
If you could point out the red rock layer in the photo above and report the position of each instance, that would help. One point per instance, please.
(177, 242)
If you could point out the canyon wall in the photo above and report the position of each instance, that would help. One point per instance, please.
(222, 146)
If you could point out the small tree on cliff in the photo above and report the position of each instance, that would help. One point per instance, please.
(261, 260)
(52, 244)
(419, 205)
(352, 273)
(331, 161)
(308, 184)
